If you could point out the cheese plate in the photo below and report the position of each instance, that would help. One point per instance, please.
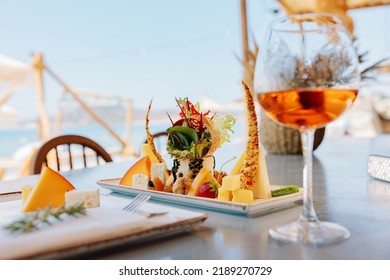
(258, 207)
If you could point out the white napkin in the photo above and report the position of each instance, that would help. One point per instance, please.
(100, 224)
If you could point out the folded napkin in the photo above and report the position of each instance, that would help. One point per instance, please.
(99, 225)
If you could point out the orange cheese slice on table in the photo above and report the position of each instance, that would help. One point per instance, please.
(50, 191)
(142, 166)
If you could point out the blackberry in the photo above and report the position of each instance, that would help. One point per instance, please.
(175, 168)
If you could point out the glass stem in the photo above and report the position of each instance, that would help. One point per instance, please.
(308, 214)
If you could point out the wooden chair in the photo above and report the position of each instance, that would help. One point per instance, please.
(65, 146)
(158, 135)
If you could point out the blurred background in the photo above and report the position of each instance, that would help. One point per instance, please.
(118, 55)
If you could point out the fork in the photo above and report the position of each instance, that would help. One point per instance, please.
(136, 202)
(133, 206)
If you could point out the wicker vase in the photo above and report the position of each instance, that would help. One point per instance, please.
(278, 139)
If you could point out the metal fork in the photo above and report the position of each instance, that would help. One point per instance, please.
(136, 202)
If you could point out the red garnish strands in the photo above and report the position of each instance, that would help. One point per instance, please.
(190, 114)
(193, 117)
(201, 126)
(183, 113)
(170, 118)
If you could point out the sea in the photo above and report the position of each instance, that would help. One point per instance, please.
(12, 139)
(16, 142)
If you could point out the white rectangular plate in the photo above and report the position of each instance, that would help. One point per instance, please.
(258, 207)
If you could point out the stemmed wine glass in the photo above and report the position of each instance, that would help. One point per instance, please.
(306, 76)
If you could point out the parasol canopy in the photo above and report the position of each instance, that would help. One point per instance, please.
(339, 7)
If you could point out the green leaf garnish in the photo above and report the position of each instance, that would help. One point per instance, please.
(285, 190)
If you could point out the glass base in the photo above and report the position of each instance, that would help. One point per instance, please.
(312, 233)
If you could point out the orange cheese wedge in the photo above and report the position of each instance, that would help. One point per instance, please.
(50, 191)
(142, 166)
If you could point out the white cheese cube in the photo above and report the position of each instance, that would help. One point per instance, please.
(140, 181)
(90, 198)
(159, 170)
(183, 169)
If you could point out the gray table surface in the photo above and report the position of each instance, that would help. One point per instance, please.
(343, 193)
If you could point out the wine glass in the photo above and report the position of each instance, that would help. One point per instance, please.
(306, 76)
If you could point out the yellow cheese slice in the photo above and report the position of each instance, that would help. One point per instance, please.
(236, 168)
(50, 191)
(26, 190)
(262, 187)
(203, 176)
(147, 151)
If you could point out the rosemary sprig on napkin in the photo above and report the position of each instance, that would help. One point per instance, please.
(45, 217)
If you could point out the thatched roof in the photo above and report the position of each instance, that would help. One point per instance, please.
(307, 6)
(339, 7)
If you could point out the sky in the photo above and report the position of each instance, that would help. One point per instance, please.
(148, 49)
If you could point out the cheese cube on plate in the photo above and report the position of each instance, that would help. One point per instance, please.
(159, 170)
(140, 181)
(231, 182)
(242, 196)
(224, 194)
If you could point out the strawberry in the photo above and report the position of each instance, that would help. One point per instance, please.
(208, 189)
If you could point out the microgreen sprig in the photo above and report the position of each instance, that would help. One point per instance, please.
(45, 217)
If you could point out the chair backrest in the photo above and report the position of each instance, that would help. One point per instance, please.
(65, 147)
(160, 140)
